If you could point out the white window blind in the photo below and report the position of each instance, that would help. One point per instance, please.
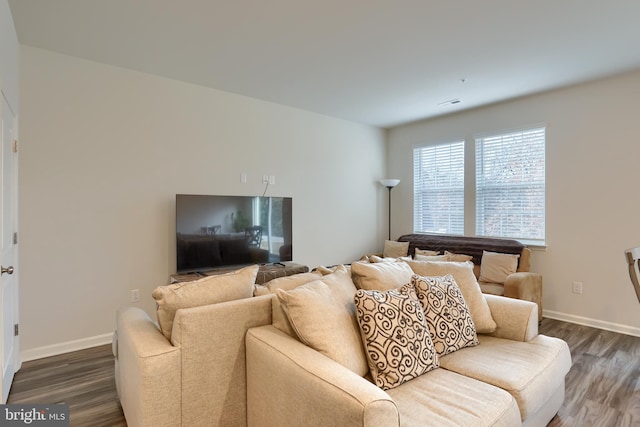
(438, 189)
(510, 185)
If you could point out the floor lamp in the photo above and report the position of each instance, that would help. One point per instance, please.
(389, 183)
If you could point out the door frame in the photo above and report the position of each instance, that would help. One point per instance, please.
(13, 364)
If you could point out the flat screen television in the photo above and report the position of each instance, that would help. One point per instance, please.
(214, 232)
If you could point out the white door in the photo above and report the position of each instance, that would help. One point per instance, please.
(8, 248)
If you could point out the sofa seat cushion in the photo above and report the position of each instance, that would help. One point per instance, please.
(444, 398)
(530, 371)
(491, 288)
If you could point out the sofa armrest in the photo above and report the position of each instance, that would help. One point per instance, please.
(525, 286)
(290, 384)
(149, 371)
(516, 319)
(212, 341)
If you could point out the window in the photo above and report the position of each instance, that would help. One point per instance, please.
(510, 185)
(438, 188)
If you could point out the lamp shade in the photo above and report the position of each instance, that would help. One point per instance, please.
(389, 183)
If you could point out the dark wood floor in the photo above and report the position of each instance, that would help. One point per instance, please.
(83, 379)
(602, 388)
(603, 385)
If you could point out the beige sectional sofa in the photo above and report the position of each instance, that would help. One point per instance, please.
(513, 377)
(249, 361)
(196, 377)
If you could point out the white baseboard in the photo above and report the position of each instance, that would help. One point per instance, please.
(65, 347)
(598, 324)
(81, 344)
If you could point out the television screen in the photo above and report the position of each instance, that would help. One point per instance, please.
(221, 231)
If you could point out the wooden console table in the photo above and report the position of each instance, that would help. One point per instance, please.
(266, 272)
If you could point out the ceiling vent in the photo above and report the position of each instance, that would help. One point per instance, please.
(450, 102)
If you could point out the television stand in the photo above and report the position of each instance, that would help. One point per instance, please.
(266, 272)
(269, 272)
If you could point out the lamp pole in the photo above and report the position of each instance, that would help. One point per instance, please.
(389, 183)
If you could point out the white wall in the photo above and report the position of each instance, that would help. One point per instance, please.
(8, 57)
(104, 151)
(593, 158)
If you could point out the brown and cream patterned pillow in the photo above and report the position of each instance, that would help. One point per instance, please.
(462, 272)
(448, 317)
(395, 334)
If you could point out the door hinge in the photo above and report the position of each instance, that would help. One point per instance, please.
(15, 145)
(16, 330)
(15, 238)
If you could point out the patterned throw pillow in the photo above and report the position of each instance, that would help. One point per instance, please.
(447, 314)
(462, 272)
(395, 334)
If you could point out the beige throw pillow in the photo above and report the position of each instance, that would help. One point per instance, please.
(430, 258)
(395, 334)
(466, 280)
(322, 314)
(395, 249)
(278, 317)
(380, 276)
(448, 316)
(426, 252)
(496, 267)
(375, 258)
(208, 290)
(457, 257)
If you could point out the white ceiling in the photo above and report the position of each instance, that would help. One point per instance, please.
(378, 62)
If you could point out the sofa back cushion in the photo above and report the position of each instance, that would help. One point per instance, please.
(380, 276)
(208, 290)
(322, 314)
(287, 283)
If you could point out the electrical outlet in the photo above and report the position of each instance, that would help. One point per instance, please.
(576, 288)
(265, 179)
(243, 178)
(135, 295)
(272, 179)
